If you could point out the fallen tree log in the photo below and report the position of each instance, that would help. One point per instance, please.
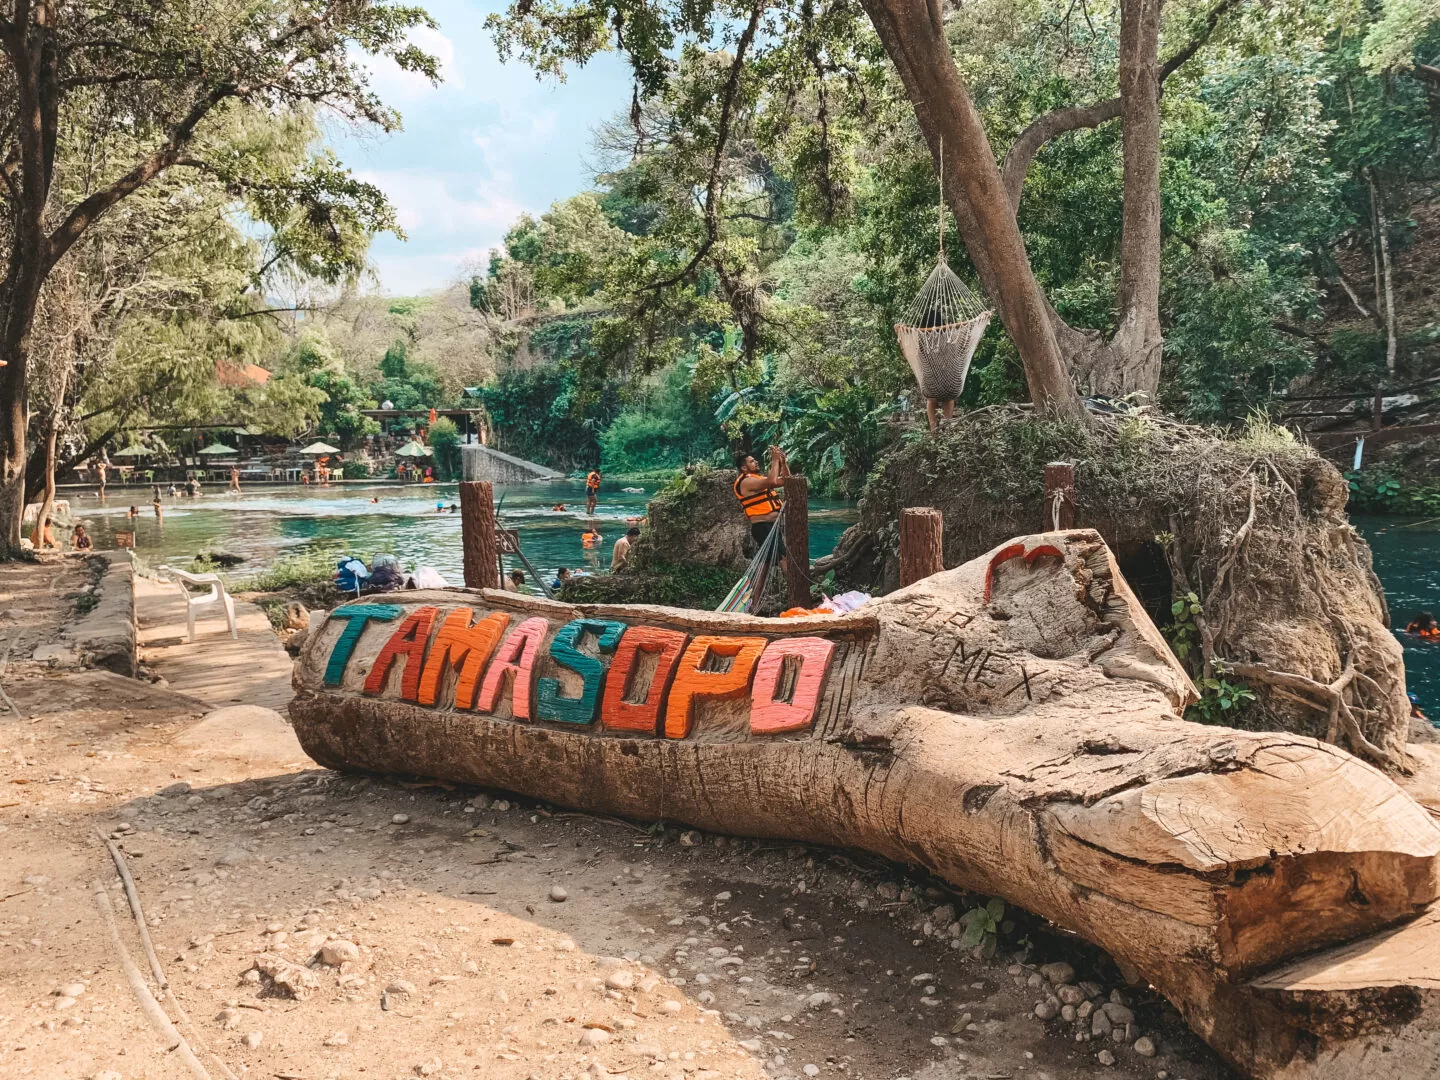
(1012, 725)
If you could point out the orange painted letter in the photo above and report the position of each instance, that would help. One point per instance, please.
(692, 682)
(517, 656)
(464, 646)
(617, 714)
(408, 644)
(771, 717)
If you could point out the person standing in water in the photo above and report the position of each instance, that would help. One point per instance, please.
(592, 490)
(234, 479)
(620, 555)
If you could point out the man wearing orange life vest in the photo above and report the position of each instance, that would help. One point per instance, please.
(756, 492)
(592, 490)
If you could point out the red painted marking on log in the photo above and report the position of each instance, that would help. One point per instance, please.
(1011, 551)
(407, 643)
(691, 683)
(617, 714)
(466, 647)
(516, 657)
(771, 717)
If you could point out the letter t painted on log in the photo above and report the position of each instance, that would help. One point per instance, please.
(355, 616)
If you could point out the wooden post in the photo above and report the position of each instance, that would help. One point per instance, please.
(1058, 503)
(922, 543)
(477, 535)
(797, 540)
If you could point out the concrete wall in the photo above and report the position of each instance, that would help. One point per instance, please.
(104, 636)
(485, 463)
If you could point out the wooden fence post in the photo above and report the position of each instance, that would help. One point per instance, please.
(1058, 509)
(477, 535)
(922, 550)
(797, 540)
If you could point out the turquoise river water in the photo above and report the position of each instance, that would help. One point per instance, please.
(268, 523)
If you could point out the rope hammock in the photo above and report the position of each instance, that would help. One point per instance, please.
(943, 325)
(743, 598)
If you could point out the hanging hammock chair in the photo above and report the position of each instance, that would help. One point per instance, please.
(940, 331)
(944, 324)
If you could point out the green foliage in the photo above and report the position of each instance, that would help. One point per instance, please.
(355, 470)
(1221, 702)
(1382, 492)
(539, 415)
(314, 360)
(445, 442)
(692, 585)
(982, 927)
(1182, 633)
(662, 426)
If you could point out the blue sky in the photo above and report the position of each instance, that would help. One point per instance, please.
(488, 144)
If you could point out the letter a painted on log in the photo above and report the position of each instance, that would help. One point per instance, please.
(618, 714)
(516, 657)
(355, 617)
(771, 717)
(692, 681)
(407, 644)
(565, 651)
(464, 646)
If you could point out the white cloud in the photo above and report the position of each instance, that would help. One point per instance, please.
(394, 84)
(424, 201)
(403, 274)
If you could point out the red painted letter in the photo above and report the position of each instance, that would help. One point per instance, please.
(617, 714)
(517, 656)
(464, 646)
(407, 643)
(691, 682)
(771, 717)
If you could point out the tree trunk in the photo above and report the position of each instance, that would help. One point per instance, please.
(1130, 362)
(1026, 747)
(47, 496)
(913, 35)
(479, 550)
(922, 543)
(14, 418)
(797, 540)
(1382, 247)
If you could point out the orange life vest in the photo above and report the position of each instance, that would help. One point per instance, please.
(761, 504)
(592, 482)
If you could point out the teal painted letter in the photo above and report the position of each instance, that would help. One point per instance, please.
(565, 652)
(356, 616)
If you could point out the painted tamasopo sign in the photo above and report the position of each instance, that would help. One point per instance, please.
(620, 676)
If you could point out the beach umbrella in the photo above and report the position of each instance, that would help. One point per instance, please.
(134, 451)
(413, 449)
(216, 449)
(320, 448)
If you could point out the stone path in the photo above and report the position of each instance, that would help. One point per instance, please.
(215, 669)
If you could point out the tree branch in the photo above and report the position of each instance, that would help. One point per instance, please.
(84, 215)
(722, 136)
(1073, 117)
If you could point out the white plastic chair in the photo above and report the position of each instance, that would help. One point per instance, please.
(216, 595)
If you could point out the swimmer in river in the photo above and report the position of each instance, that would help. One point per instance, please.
(557, 507)
(591, 538)
(375, 499)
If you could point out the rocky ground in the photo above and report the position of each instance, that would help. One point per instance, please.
(313, 925)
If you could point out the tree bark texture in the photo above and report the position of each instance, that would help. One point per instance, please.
(913, 35)
(922, 543)
(797, 540)
(481, 556)
(1058, 500)
(1012, 725)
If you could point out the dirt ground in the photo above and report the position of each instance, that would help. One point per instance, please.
(467, 933)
